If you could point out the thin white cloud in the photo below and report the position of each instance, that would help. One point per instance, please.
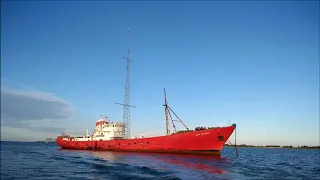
(31, 109)
(33, 105)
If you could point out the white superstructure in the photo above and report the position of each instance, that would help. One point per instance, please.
(108, 130)
(104, 130)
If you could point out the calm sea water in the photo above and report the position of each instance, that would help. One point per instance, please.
(48, 161)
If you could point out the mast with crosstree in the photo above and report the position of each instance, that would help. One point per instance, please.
(126, 104)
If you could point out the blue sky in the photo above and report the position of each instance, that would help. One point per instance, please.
(255, 64)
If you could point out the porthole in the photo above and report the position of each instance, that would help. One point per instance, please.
(147, 142)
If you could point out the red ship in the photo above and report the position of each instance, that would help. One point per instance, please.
(110, 136)
(115, 136)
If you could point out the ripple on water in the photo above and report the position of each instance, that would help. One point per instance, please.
(46, 161)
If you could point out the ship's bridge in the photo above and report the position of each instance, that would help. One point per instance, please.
(106, 130)
(101, 122)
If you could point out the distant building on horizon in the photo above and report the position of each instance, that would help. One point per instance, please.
(49, 140)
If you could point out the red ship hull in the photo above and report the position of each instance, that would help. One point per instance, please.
(209, 141)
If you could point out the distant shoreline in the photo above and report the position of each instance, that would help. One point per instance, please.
(276, 147)
(46, 141)
(30, 141)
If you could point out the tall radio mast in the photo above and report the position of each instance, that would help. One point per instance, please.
(126, 104)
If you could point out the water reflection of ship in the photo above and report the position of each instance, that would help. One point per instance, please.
(195, 162)
(103, 155)
(108, 156)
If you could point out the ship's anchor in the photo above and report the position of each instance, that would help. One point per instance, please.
(235, 139)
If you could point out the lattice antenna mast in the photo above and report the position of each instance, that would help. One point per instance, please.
(126, 104)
